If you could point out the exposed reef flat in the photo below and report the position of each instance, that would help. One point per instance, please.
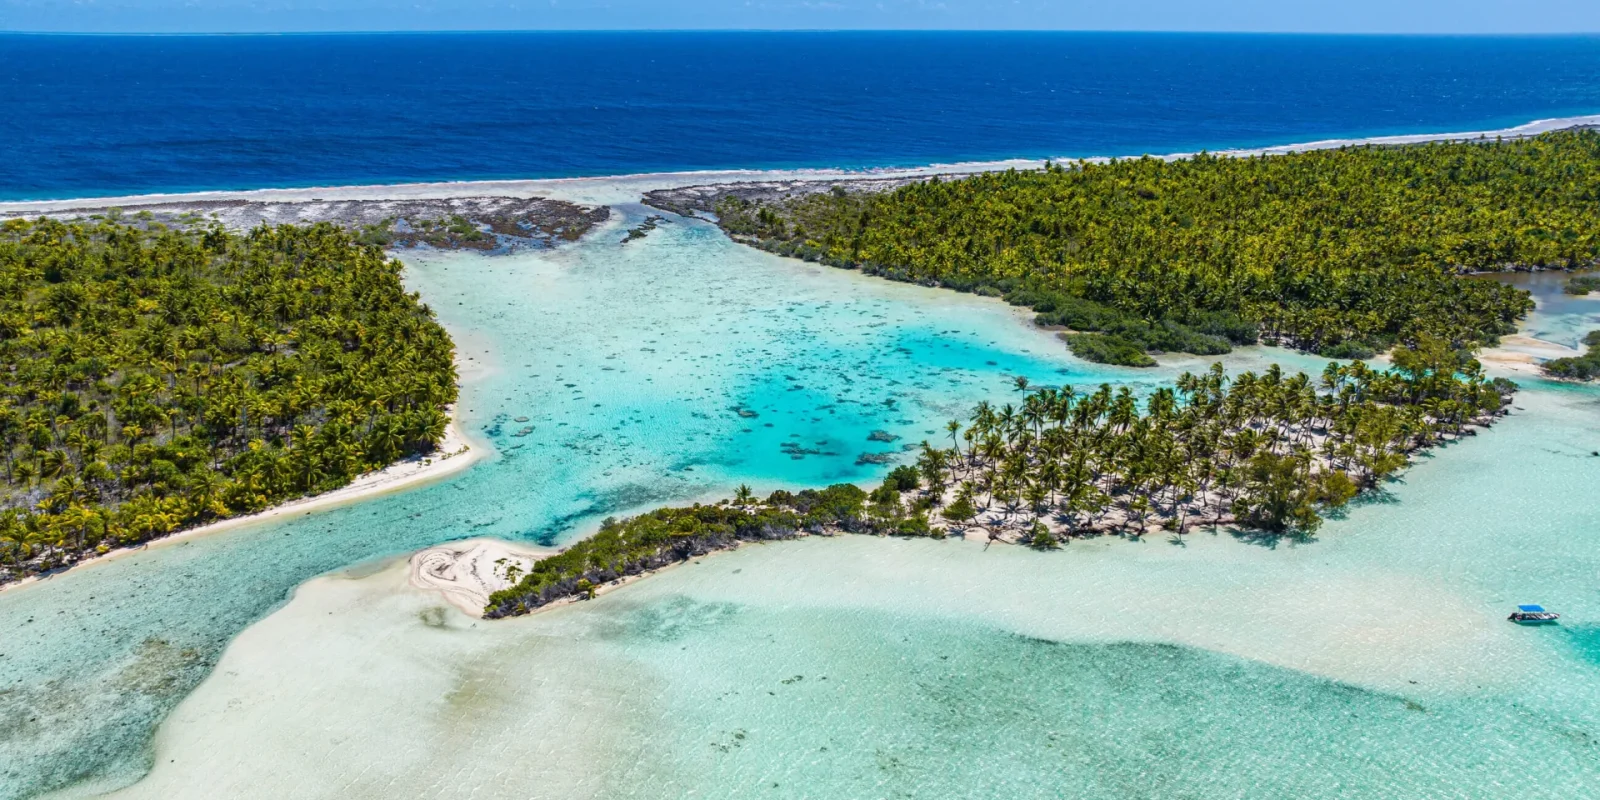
(643, 229)
(692, 201)
(487, 223)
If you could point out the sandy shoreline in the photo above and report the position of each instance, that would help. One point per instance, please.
(1523, 354)
(456, 452)
(466, 572)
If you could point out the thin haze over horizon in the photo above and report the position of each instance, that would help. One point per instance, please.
(1237, 16)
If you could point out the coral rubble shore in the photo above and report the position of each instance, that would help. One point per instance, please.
(482, 223)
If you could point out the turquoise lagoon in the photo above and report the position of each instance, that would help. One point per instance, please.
(1373, 662)
(631, 365)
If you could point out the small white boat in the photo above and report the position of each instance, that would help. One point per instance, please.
(1533, 615)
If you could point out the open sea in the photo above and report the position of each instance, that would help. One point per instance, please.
(114, 115)
(291, 658)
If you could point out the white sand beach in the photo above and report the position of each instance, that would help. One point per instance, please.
(1523, 354)
(465, 573)
(455, 453)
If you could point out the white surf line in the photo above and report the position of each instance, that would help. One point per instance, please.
(544, 187)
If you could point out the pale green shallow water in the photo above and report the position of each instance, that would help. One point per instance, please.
(659, 341)
(1375, 663)
(1109, 670)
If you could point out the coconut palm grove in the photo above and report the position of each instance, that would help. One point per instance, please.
(160, 377)
(1344, 253)
(156, 378)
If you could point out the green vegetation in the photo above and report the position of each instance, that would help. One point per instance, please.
(1583, 284)
(1108, 349)
(671, 535)
(1269, 453)
(157, 378)
(1266, 452)
(1340, 252)
(450, 233)
(1579, 368)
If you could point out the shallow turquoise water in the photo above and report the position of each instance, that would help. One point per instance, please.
(1375, 662)
(1561, 318)
(916, 707)
(632, 365)
(629, 364)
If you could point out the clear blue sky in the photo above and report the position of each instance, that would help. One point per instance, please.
(1328, 16)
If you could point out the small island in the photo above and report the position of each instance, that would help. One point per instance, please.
(1266, 454)
(158, 378)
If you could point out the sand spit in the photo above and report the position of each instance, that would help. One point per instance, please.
(465, 573)
(1524, 355)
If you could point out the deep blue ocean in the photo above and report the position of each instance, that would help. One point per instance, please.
(96, 115)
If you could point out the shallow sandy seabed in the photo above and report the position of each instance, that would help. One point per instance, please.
(361, 687)
(1522, 354)
(367, 685)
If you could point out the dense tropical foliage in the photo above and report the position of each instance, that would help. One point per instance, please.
(1341, 252)
(671, 535)
(156, 378)
(1266, 452)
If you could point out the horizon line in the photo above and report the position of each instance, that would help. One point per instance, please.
(1112, 31)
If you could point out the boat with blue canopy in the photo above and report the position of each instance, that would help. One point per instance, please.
(1533, 615)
